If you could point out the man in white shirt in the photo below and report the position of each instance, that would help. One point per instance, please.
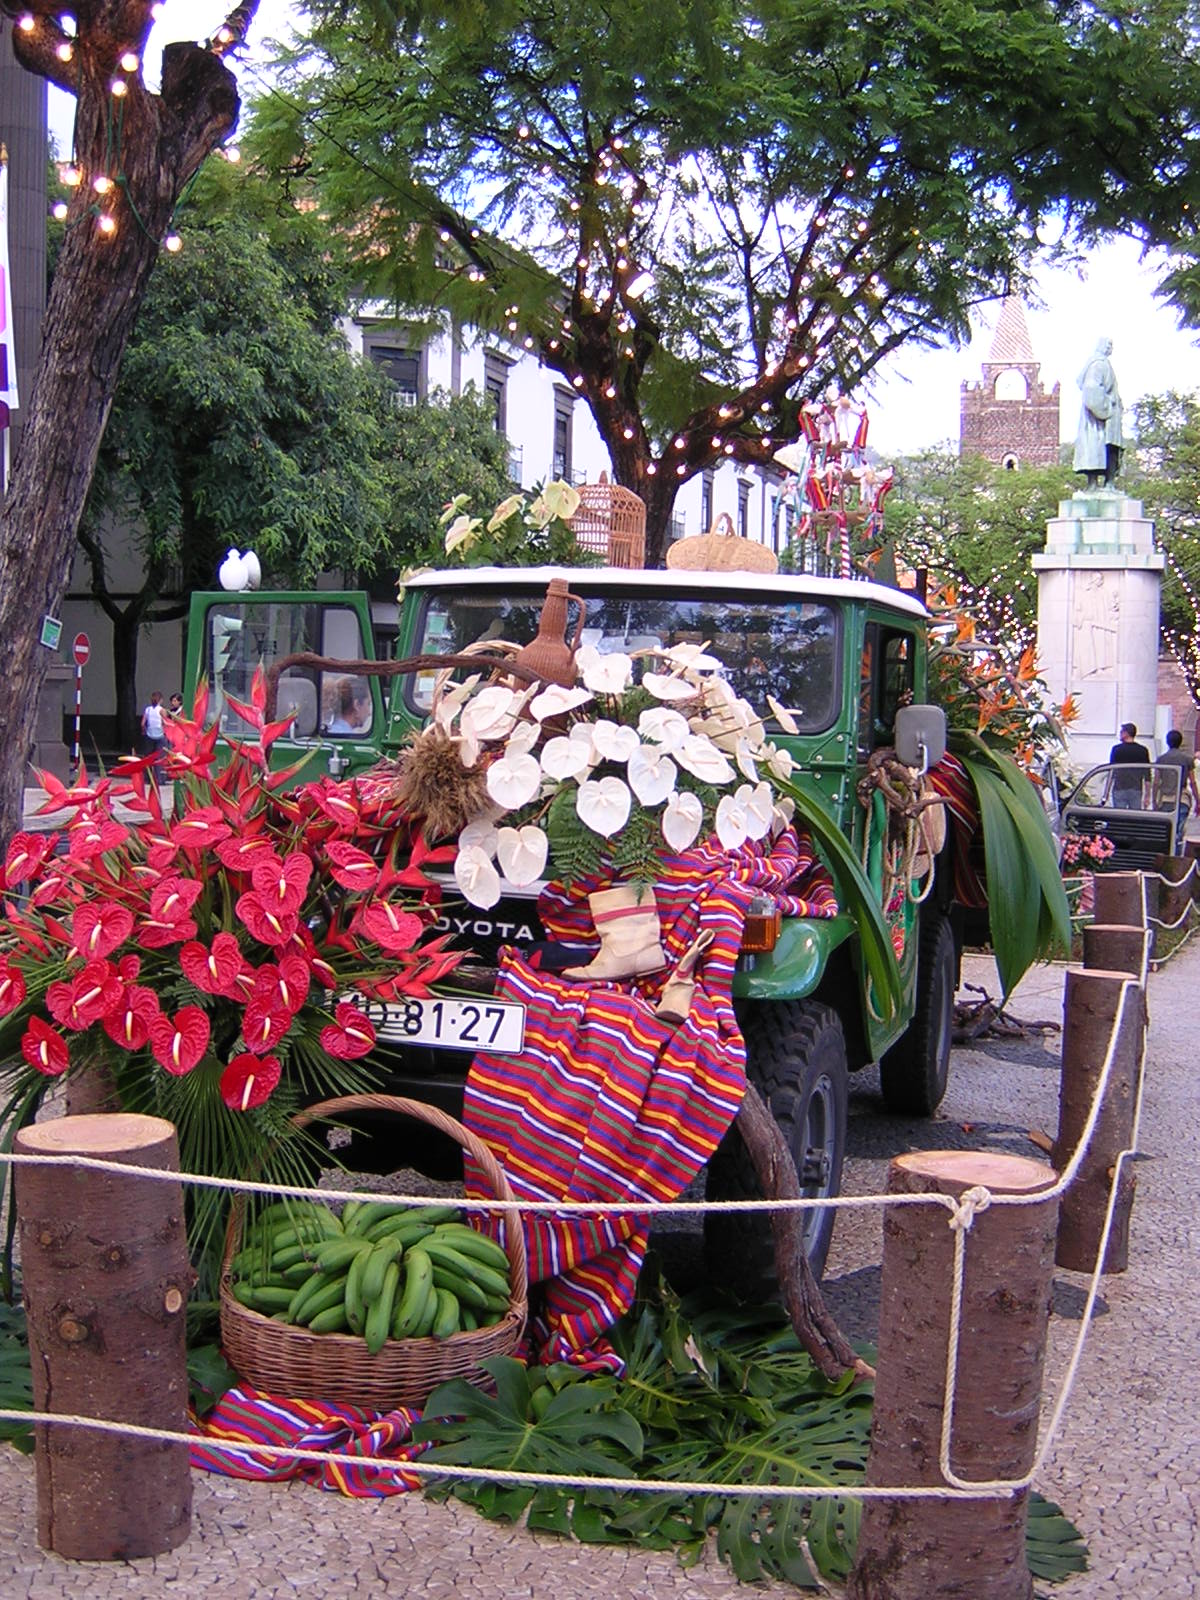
(152, 725)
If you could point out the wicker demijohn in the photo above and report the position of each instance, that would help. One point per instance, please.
(610, 522)
(721, 550)
(295, 1363)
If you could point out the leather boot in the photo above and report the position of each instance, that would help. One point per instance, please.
(626, 920)
(675, 1002)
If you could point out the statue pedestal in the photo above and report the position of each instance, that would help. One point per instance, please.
(1099, 584)
(49, 753)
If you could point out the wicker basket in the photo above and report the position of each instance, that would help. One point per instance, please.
(610, 522)
(301, 1365)
(721, 550)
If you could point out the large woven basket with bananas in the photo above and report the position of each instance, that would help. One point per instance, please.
(378, 1305)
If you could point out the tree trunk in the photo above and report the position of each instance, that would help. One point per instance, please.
(99, 283)
(942, 1549)
(126, 632)
(106, 1278)
(816, 1330)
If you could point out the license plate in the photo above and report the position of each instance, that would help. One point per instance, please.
(495, 1027)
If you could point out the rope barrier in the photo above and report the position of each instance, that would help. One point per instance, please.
(962, 1213)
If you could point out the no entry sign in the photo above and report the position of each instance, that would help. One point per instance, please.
(81, 649)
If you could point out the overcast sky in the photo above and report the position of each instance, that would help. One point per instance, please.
(914, 401)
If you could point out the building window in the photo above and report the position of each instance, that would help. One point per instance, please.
(564, 410)
(706, 497)
(744, 507)
(495, 386)
(402, 366)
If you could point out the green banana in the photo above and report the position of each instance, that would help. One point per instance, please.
(379, 1315)
(447, 1255)
(401, 1226)
(263, 1297)
(335, 1255)
(446, 1318)
(356, 1311)
(373, 1211)
(465, 1290)
(331, 1321)
(469, 1242)
(326, 1295)
(425, 1325)
(378, 1260)
(469, 1320)
(418, 1290)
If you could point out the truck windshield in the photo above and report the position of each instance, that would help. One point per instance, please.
(783, 647)
(241, 636)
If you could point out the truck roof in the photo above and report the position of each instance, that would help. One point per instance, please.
(783, 585)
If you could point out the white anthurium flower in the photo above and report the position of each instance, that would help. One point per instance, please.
(491, 714)
(693, 657)
(452, 507)
(463, 531)
(681, 819)
(744, 756)
(479, 835)
(732, 822)
(450, 702)
(523, 738)
(783, 716)
(564, 758)
(652, 775)
(784, 811)
(507, 508)
(718, 692)
(555, 701)
(522, 853)
(608, 674)
(779, 761)
(513, 779)
(613, 741)
(664, 727)
(468, 748)
(561, 498)
(477, 878)
(603, 805)
(703, 760)
(665, 686)
(759, 805)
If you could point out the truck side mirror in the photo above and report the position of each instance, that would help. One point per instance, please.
(920, 735)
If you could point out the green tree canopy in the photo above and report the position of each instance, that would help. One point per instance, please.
(1163, 471)
(703, 213)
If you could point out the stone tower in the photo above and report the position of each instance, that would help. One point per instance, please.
(1008, 417)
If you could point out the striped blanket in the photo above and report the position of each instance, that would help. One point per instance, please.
(248, 1416)
(606, 1101)
(952, 781)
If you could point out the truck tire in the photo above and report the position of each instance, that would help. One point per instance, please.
(796, 1057)
(913, 1074)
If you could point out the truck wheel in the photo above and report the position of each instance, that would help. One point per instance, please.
(796, 1057)
(913, 1074)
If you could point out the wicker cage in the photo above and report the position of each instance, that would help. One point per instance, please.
(721, 550)
(610, 522)
(293, 1362)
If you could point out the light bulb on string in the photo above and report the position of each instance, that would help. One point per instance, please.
(71, 176)
(129, 61)
(681, 470)
(679, 441)
(553, 344)
(65, 50)
(26, 23)
(156, 10)
(118, 88)
(610, 392)
(651, 468)
(106, 223)
(173, 243)
(59, 210)
(231, 153)
(577, 380)
(627, 433)
(102, 183)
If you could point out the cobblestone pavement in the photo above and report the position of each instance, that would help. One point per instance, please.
(1124, 1468)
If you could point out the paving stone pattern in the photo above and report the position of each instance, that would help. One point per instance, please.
(1124, 1468)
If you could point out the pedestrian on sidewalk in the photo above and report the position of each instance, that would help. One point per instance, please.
(152, 725)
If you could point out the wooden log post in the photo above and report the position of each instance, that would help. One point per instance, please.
(1191, 853)
(945, 1549)
(1091, 1005)
(1175, 889)
(106, 1276)
(1111, 947)
(1130, 898)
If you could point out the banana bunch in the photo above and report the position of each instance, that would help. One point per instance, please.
(380, 1270)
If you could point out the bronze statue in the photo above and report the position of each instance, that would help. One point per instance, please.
(1098, 438)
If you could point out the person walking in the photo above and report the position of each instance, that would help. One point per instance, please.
(1126, 787)
(152, 725)
(1189, 794)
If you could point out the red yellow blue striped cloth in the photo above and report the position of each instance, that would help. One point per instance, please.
(248, 1416)
(606, 1101)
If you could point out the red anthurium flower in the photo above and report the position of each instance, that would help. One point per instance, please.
(249, 1080)
(281, 884)
(285, 986)
(99, 927)
(56, 886)
(12, 988)
(59, 795)
(388, 925)
(353, 868)
(156, 933)
(179, 1042)
(190, 748)
(129, 1020)
(264, 921)
(336, 800)
(44, 1049)
(213, 968)
(200, 829)
(26, 853)
(349, 1035)
(128, 968)
(241, 852)
(24, 929)
(264, 1024)
(162, 853)
(174, 897)
(319, 969)
(79, 1001)
(93, 837)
